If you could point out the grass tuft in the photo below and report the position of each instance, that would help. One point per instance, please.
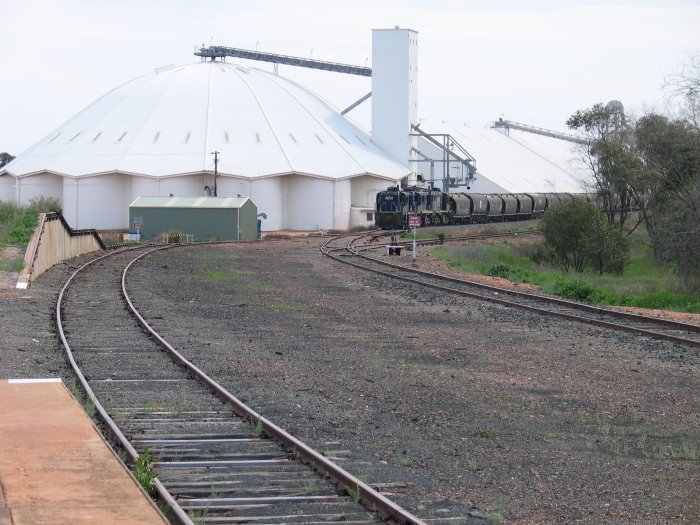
(483, 432)
(287, 308)
(17, 223)
(144, 472)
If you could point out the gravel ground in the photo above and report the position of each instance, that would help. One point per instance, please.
(476, 406)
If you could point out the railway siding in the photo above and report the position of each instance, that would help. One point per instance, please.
(583, 424)
(214, 463)
(407, 378)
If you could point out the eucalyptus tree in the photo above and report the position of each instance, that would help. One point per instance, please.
(609, 157)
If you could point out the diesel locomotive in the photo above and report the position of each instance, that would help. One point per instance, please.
(394, 206)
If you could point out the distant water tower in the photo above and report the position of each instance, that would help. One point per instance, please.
(617, 113)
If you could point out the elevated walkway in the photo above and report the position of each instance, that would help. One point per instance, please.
(55, 468)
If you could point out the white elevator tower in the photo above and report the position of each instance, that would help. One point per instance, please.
(395, 91)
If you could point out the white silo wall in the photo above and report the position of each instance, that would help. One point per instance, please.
(309, 202)
(144, 187)
(44, 185)
(365, 189)
(185, 186)
(342, 202)
(267, 195)
(233, 187)
(99, 202)
(7, 188)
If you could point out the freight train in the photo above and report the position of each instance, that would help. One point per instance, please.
(395, 206)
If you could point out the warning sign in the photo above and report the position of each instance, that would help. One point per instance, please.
(414, 221)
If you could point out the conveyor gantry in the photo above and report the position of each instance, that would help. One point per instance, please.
(213, 52)
(509, 124)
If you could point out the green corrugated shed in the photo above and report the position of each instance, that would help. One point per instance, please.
(205, 218)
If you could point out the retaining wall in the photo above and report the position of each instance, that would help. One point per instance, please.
(54, 241)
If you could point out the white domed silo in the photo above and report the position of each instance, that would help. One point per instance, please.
(302, 163)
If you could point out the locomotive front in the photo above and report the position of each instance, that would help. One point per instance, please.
(389, 209)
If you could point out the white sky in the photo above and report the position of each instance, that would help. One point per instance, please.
(532, 61)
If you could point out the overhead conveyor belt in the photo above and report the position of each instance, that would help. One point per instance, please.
(213, 52)
(509, 124)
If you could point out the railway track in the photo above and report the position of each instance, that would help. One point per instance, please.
(372, 239)
(215, 459)
(366, 258)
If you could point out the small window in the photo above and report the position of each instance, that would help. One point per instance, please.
(370, 217)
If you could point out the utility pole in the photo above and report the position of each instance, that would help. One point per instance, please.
(216, 169)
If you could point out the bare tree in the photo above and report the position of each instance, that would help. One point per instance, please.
(683, 92)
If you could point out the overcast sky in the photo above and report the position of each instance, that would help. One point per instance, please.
(532, 61)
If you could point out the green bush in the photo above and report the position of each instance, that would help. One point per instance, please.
(579, 236)
(499, 270)
(644, 283)
(538, 253)
(578, 291)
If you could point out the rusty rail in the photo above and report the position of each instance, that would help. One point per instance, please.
(387, 509)
(541, 298)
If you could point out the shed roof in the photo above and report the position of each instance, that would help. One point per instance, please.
(189, 202)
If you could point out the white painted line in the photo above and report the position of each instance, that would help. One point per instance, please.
(37, 380)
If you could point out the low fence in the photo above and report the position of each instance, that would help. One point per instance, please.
(54, 241)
